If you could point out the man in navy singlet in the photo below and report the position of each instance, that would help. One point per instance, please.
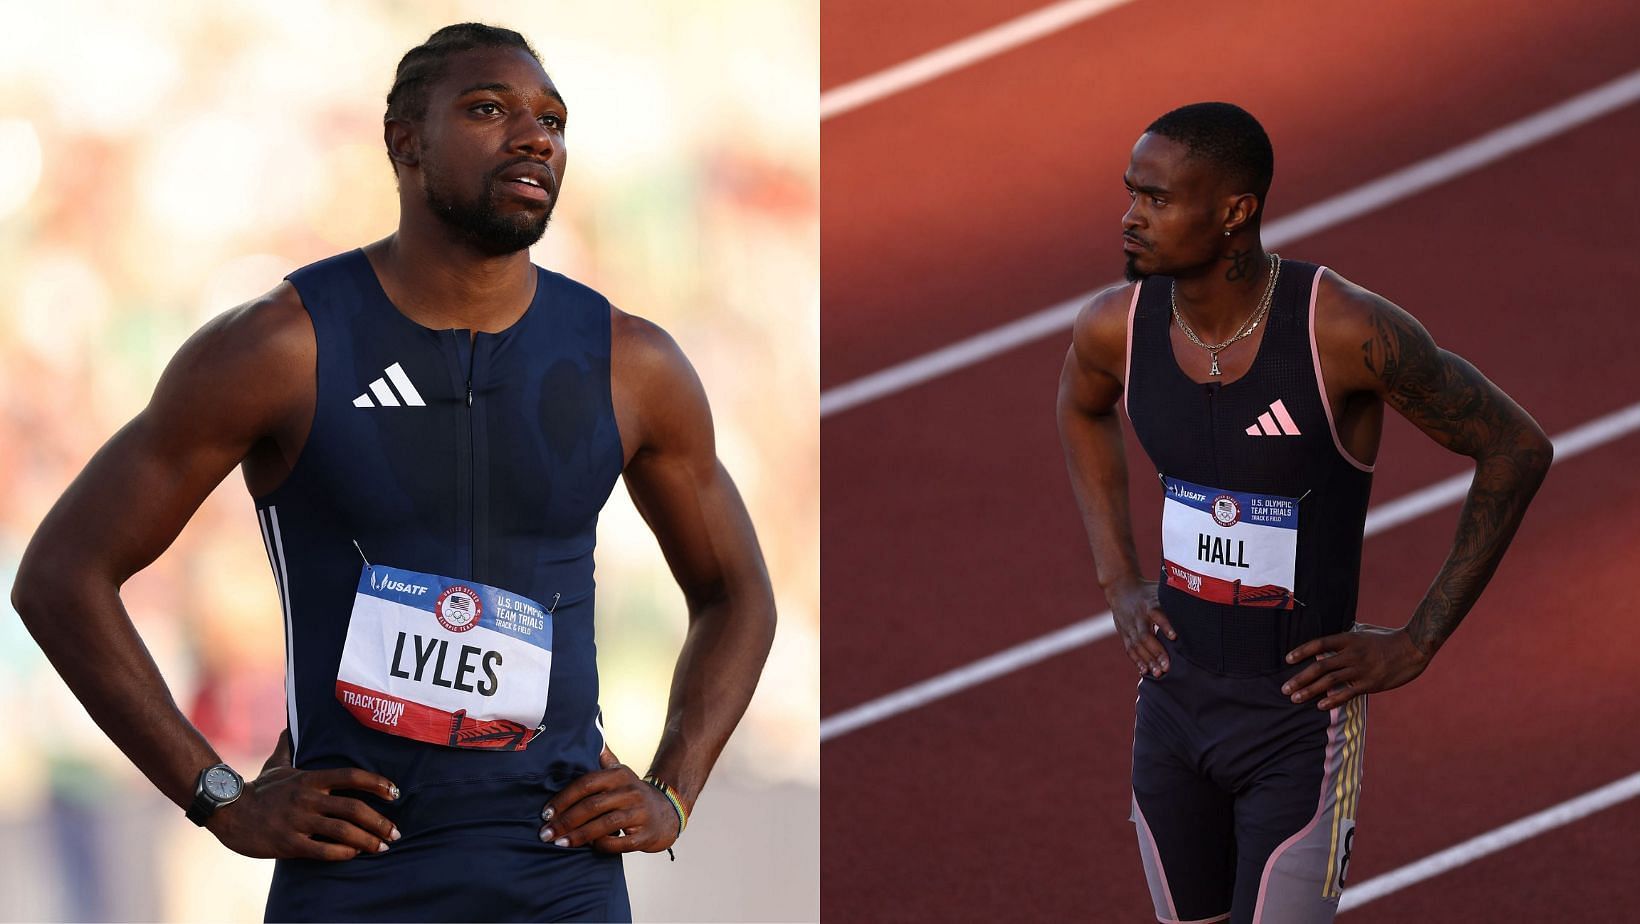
(429, 426)
(1256, 386)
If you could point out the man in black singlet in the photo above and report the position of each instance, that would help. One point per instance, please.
(1246, 380)
(429, 426)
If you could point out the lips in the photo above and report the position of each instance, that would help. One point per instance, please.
(526, 190)
(529, 180)
(1133, 244)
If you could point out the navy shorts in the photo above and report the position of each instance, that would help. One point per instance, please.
(1244, 802)
(468, 851)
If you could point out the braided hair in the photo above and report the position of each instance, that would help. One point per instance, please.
(424, 65)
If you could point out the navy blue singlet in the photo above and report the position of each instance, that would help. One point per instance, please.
(485, 460)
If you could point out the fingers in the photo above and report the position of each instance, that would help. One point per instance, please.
(613, 844)
(597, 807)
(357, 780)
(607, 759)
(1335, 676)
(583, 786)
(598, 815)
(361, 816)
(1341, 695)
(1335, 679)
(635, 836)
(1160, 619)
(346, 834)
(1316, 647)
(1146, 649)
(1148, 654)
(603, 829)
(309, 849)
(354, 827)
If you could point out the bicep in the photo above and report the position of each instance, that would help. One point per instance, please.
(133, 498)
(211, 405)
(681, 488)
(1084, 390)
(699, 520)
(1439, 392)
(1090, 382)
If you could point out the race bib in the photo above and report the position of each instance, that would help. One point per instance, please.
(448, 662)
(1229, 546)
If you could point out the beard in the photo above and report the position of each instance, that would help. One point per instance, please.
(477, 222)
(1131, 269)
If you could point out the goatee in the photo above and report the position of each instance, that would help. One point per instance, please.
(1131, 269)
(478, 223)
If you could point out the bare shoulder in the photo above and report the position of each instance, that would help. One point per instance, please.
(1099, 337)
(271, 328)
(1341, 303)
(659, 400)
(250, 363)
(643, 349)
(1362, 335)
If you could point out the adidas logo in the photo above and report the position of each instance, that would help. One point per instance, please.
(385, 396)
(1274, 422)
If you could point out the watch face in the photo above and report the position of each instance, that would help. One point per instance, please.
(221, 784)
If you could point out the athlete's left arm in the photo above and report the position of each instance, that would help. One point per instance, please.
(689, 501)
(1443, 395)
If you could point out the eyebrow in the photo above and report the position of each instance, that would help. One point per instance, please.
(508, 88)
(1147, 190)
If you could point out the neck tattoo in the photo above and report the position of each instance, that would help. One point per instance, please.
(1247, 327)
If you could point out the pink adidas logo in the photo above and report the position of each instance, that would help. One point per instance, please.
(1280, 424)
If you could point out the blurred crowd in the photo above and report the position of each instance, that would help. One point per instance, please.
(160, 163)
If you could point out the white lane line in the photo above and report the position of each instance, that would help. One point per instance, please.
(1382, 517)
(1492, 841)
(988, 668)
(960, 54)
(1328, 213)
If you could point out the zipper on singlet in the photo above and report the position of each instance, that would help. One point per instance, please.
(466, 514)
(472, 480)
(1212, 430)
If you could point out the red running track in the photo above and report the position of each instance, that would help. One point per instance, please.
(949, 528)
(997, 190)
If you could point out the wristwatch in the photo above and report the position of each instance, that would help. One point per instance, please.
(217, 786)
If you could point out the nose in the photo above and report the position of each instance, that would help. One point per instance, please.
(1130, 218)
(531, 137)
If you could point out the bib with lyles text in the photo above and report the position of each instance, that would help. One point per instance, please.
(446, 661)
(1230, 547)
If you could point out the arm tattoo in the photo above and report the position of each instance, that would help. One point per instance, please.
(1450, 400)
(1241, 265)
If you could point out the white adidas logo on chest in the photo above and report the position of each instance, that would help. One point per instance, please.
(385, 394)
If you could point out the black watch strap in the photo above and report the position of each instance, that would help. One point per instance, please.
(205, 801)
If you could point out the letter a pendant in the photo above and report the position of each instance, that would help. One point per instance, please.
(1215, 370)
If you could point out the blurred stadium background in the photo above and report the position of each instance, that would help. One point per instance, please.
(160, 163)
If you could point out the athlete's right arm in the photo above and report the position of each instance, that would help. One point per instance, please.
(1089, 388)
(234, 385)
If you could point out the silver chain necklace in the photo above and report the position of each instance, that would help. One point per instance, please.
(1248, 326)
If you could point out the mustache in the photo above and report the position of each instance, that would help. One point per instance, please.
(1136, 239)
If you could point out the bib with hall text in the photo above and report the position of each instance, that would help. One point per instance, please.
(1230, 547)
(446, 661)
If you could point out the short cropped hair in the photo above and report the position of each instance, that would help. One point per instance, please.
(423, 65)
(1227, 136)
